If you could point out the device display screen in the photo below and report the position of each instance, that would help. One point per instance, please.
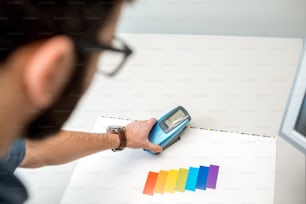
(175, 118)
(300, 125)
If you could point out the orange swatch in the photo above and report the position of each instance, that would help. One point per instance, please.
(150, 183)
(161, 181)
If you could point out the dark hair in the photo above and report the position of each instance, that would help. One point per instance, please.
(22, 22)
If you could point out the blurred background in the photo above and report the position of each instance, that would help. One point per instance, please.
(273, 18)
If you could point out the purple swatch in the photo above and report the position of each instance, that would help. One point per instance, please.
(212, 176)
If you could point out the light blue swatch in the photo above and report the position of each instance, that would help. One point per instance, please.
(192, 179)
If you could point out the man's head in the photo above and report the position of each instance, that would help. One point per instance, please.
(39, 52)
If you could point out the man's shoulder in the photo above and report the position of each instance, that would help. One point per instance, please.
(12, 191)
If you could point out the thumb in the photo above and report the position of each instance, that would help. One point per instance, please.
(151, 122)
(154, 147)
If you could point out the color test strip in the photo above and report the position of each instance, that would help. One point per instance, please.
(192, 179)
(212, 176)
(150, 183)
(181, 180)
(171, 181)
(202, 177)
(160, 182)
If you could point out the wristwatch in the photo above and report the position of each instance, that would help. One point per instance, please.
(119, 130)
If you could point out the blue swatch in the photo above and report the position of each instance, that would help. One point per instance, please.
(202, 177)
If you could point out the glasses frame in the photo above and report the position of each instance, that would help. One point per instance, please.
(91, 46)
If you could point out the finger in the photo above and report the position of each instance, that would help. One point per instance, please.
(152, 121)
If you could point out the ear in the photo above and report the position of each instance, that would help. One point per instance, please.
(48, 70)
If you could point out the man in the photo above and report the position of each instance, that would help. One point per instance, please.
(48, 56)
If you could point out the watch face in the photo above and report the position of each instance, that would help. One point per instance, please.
(114, 128)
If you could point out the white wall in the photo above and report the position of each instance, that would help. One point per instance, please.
(284, 18)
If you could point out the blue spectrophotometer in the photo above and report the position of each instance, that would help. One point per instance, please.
(168, 128)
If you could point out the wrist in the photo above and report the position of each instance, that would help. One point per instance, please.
(114, 140)
(119, 131)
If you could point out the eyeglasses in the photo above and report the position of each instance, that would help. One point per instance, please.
(112, 57)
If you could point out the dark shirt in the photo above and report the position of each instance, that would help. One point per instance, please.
(12, 191)
(14, 156)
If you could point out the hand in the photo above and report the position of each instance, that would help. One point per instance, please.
(137, 135)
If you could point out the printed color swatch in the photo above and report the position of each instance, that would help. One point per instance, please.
(181, 180)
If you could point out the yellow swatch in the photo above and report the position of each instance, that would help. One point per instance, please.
(171, 181)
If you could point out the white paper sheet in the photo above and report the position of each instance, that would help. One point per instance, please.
(246, 174)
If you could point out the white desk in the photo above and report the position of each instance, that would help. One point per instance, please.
(232, 83)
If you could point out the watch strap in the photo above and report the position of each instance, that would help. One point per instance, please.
(123, 140)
